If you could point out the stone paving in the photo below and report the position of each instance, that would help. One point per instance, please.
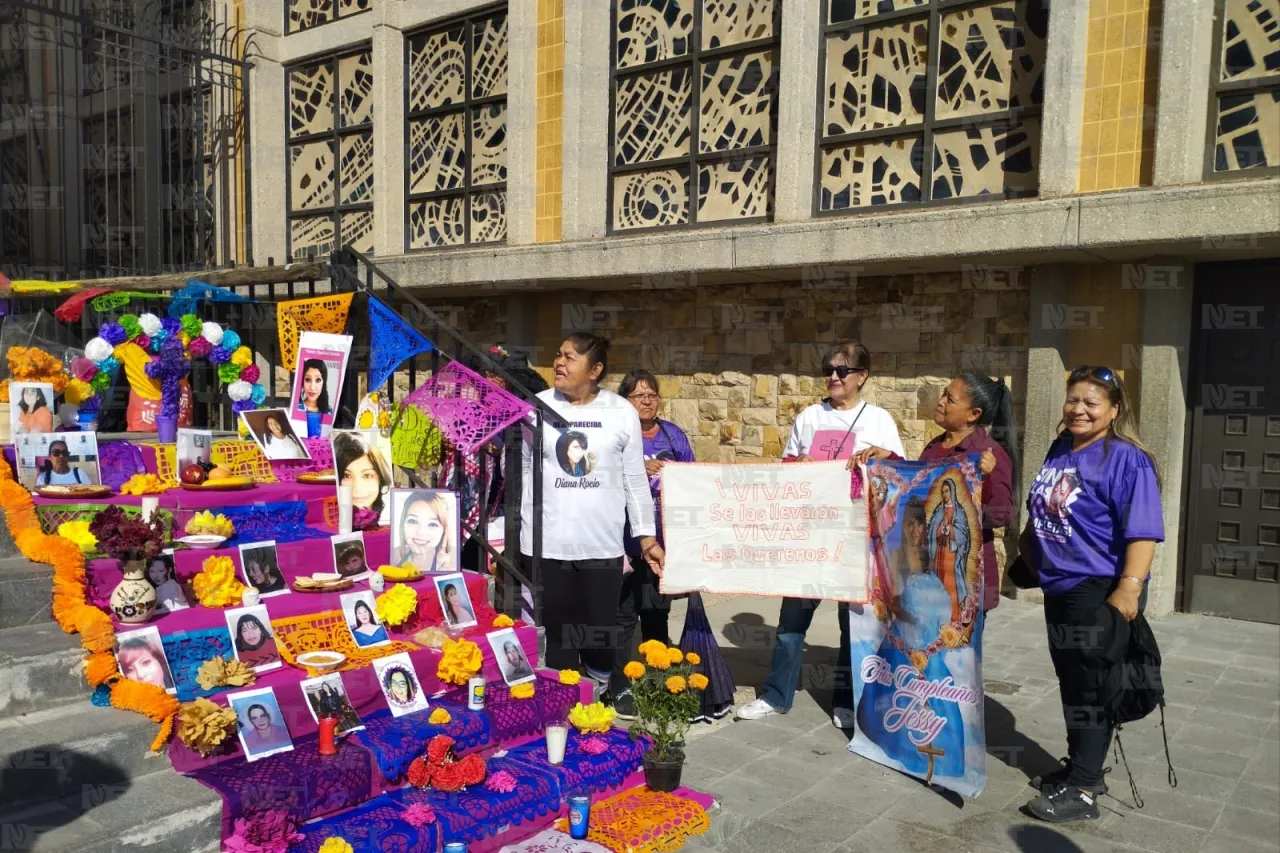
(787, 783)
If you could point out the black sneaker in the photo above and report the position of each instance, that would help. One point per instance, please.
(1049, 781)
(1064, 804)
(625, 705)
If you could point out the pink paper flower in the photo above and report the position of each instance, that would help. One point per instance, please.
(502, 782)
(83, 369)
(594, 746)
(251, 373)
(264, 832)
(364, 519)
(418, 815)
(200, 347)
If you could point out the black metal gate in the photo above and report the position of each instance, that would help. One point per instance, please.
(123, 138)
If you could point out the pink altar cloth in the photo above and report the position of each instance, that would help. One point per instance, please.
(184, 504)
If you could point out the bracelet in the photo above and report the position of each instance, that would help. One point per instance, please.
(1138, 581)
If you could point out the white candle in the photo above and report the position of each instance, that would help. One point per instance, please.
(149, 507)
(345, 510)
(557, 737)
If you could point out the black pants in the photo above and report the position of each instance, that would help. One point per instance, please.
(641, 603)
(1074, 639)
(580, 612)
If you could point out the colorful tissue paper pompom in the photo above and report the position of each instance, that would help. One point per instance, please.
(228, 373)
(192, 325)
(200, 348)
(110, 365)
(83, 368)
(114, 334)
(396, 605)
(150, 324)
(570, 677)
(272, 831)
(132, 328)
(230, 339)
(171, 325)
(157, 341)
(211, 332)
(97, 349)
(77, 392)
(242, 406)
(239, 391)
(250, 373)
(219, 355)
(242, 356)
(259, 393)
(502, 782)
(142, 341)
(418, 815)
(101, 382)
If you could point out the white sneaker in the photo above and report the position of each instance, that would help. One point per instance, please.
(843, 718)
(756, 710)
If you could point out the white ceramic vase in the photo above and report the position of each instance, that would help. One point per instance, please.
(134, 598)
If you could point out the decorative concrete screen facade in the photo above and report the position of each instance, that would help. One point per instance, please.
(929, 101)
(694, 113)
(1245, 122)
(456, 115)
(330, 153)
(304, 14)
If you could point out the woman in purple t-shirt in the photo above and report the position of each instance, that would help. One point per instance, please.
(1095, 518)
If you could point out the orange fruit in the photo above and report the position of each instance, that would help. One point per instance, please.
(219, 473)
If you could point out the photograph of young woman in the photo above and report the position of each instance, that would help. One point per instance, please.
(251, 635)
(57, 469)
(348, 554)
(362, 619)
(279, 440)
(328, 691)
(455, 601)
(399, 684)
(34, 412)
(510, 656)
(314, 382)
(169, 593)
(262, 568)
(141, 657)
(363, 466)
(571, 453)
(423, 530)
(260, 723)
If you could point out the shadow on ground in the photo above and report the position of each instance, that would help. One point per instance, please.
(1042, 839)
(47, 787)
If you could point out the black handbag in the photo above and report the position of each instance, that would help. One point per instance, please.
(1022, 575)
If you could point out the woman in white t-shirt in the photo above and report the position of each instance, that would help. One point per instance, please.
(593, 480)
(837, 428)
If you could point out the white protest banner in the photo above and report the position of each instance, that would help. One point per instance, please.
(780, 530)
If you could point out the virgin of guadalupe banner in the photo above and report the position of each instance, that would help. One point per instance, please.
(916, 654)
(788, 530)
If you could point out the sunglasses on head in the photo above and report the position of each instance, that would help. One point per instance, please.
(840, 370)
(1102, 374)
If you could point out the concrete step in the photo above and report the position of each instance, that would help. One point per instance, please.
(25, 592)
(40, 667)
(75, 751)
(160, 812)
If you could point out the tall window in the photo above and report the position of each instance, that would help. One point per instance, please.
(694, 114)
(929, 101)
(456, 114)
(304, 14)
(1245, 130)
(330, 142)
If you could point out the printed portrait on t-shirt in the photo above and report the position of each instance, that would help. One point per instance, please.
(572, 453)
(1053, 493)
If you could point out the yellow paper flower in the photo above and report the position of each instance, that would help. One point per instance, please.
(919, 660)
(77, 392)
(335, 845)
(592, 718)
(216, 585)
(570, 676)
(397, 604)
(652, 645)
(657, 659)
(366, 420)
(204, 725)
(242, 430)
(698, 681)
(693, 659)
(145, 484)
(674, 656)
(503, 621)
(439, 717)
(676, 684)
(78, 532)
(522, 691)
(220, 672)
(207, 524)
(633, 670)
(461, 660)
(242, 356)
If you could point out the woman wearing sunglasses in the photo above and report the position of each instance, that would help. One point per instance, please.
(836, 428)
(57, 470)
(1095, 518)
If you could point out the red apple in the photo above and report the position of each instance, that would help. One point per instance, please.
(193, 474)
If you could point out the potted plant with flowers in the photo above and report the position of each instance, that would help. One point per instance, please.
(666, 690)
(135, 543)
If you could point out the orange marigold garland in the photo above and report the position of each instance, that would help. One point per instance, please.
(75, 615)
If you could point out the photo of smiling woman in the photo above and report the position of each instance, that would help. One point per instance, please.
(399, 684)
(169, 593)
(362, 619)
(361, 460)
(424, 529)
(251, 636)
(317, 383)
(455, 601)
(34, 410)
(279, 440)
(141, 657)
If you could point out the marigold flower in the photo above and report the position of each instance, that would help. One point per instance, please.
(439, 717)
(693, 659)
(698, 681)
(657, 659)
(675, 684)
(522, 691)
(335, 845)
(461, 660)
(397, 604)
(654, 645)
(675, 656)
(633, 670)
(570, 676)
(503, 621)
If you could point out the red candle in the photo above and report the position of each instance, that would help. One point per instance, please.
(328, 727)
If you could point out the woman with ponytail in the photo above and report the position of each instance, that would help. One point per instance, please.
(976, 416)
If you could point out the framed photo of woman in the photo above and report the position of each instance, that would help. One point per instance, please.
(362, 461)
(317, 382)
(349, 558)
(362, 618)
(455, 601)
(140, 656)
(260, 723)
(400, 684)
(273, 432)
(329, 691)
(162, 575)
(31, 411)
(253, 639)
(512, 661)
(424, 529)
(57, 459)
(261, 568)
